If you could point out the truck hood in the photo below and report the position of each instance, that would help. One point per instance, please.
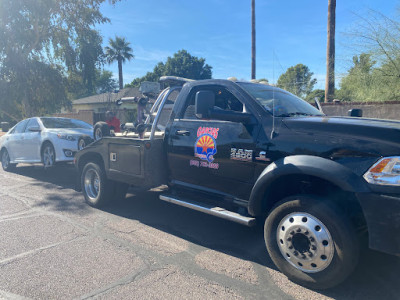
(370, 136)
(372, 128)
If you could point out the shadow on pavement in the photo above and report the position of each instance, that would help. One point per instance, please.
(62, 175)
(377, 275)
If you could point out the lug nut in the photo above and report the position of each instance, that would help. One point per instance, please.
(298, 230)
(296, 253)
(312, 239)
(313, 247)
(292, 232)
(289, 239)
(306, 233)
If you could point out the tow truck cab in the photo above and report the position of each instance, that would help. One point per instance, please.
(242, 151)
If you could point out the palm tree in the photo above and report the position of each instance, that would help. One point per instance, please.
(253, 39)
(330, 52)
(119, 50)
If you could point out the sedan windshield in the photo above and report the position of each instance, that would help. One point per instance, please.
(64, 123)
(279, 102)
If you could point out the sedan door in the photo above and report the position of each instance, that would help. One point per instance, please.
(32, 141)
(14, 142)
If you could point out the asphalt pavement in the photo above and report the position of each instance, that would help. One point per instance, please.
(54, 246)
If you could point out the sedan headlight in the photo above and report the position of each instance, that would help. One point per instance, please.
(385, 172)
(66, 137)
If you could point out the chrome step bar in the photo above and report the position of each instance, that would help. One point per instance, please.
(211, 210)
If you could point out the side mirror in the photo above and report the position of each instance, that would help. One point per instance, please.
(204, 101)
(355, 112)
(318, 104)
(118, 102)
(34, 129)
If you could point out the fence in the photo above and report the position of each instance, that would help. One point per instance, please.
(380, 110)
(83, 115)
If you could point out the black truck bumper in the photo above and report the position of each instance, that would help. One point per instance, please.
(382, 214)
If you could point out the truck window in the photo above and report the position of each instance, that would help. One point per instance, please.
(224, 100)
(167, 109)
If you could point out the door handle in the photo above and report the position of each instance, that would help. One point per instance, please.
(182, 132)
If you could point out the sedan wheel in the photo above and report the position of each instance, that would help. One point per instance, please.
(48, 156)
(5, 161)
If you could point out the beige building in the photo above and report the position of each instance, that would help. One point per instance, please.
(93, 108)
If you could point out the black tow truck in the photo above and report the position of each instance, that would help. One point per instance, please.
(248, 152)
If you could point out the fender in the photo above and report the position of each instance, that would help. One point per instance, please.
(323, 168)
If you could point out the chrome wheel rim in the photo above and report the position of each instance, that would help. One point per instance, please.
(48, 156)
(305, 242)
(5, 159)
(81, 144)
(92, 184)
(98, 134)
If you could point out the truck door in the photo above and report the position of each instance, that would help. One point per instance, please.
(213, 155)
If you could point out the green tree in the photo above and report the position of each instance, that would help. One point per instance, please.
(297, 80)
(318, 93)
(367, 81)
(181, 64)
(40, 41)
(119, 51)
(102, 83)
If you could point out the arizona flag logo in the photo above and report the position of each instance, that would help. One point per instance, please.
(206, 147)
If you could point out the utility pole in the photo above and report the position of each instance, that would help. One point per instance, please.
(253, 39)
(330, 53)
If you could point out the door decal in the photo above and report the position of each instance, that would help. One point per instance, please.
(205, 147)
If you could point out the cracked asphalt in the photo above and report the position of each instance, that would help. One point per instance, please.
(54, 246)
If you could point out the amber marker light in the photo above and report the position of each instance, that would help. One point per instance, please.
(378, 168)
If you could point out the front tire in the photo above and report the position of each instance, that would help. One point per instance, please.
(48, 155)
(96, 188)
(5, 161)
(311, 241)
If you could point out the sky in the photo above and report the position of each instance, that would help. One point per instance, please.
(287, 33)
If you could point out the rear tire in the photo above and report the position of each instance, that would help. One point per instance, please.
(100, 130)
(311, 241)
(5, 161)
(96, 188)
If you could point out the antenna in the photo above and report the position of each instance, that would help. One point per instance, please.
(273, 134)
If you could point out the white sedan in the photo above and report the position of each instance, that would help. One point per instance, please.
(44, 140)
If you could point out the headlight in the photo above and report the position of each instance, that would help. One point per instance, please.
(66, 137)
(385, 172)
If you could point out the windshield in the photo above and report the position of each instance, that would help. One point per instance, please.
(64, 123)
(279, 102)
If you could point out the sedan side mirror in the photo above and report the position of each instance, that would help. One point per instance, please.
(34, 129)
(204, 101)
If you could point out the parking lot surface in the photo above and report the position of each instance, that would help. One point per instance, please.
(52, 245)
